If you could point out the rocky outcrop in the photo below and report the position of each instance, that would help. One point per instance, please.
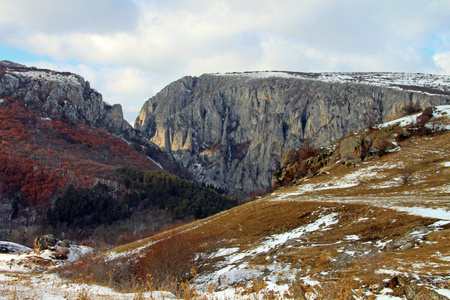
(45, 242)
(231, 130)
(69, 98)
(413, 289)
(61, 95)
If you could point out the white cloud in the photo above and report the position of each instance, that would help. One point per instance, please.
(442, 60)
(60, 17)
(129, 49)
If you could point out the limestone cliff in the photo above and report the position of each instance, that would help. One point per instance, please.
(61, 95)
(231, 130)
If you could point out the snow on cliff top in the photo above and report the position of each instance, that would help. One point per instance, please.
(67, 78)
(35, 73)
(425, 83)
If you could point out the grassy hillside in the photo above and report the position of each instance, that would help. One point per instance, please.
(346, 231)
(378, 228)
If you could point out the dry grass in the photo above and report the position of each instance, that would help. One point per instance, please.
(421, 160)
(363, 212)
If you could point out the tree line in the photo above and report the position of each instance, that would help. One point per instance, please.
(139, 190)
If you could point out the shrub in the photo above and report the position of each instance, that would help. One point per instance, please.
(169, 259)
(410, 109)
(382, 147)
(88, 270)
(172, 259)
(406, 175)
(422, 121)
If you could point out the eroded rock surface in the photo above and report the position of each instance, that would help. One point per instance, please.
(231, 130)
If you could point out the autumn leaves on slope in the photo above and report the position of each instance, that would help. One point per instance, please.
(40, 158)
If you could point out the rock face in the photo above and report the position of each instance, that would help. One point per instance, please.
(61, 95)
(68, 97)
(231, 130)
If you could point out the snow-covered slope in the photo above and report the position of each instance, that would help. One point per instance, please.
(438, 112)
(426, 83)
(355, 228)
(20, 259)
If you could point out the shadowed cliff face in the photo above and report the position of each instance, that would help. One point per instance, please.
(231, 130)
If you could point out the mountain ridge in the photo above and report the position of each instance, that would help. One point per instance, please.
(231, 130)
(432, 83)
(61, 95)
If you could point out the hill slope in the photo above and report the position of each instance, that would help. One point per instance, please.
(58, 139)
(358, 230)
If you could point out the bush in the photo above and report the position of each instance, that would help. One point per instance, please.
(410, 109)
(406, 175)
(172, 259)
(383, 147)
(169, 260)
(89, 270)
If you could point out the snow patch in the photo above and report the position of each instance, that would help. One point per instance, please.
(437, 213)
(155, 162)
(444, 292)
(66, 78)
(439, 111)
(13, 248)
(352, 237)
(23, 259)
(236, 268)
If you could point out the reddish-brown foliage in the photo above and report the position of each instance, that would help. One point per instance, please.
(169, 259)
(40, 156)
(36, 182)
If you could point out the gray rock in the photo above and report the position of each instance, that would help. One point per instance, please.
(61, 96)
(413, 291)
(44, 242)
(231, 131)
(350, 150)
(288, 157)
(409, 240)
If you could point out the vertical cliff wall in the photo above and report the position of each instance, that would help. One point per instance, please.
(231, 130)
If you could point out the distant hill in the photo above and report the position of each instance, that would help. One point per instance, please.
(56, 132)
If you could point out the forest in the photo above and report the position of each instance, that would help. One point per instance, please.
(76, 181)
(88, 208)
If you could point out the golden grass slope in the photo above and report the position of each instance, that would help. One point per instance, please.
(370, 240)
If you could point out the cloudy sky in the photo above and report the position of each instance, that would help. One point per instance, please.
(131, 49)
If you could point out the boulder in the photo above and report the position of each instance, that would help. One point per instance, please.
(350, 150)
(45, 242)
(288, 157)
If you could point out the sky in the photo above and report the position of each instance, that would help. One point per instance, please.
(130, 49)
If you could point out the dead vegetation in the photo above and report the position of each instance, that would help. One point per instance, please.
(364, 251)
